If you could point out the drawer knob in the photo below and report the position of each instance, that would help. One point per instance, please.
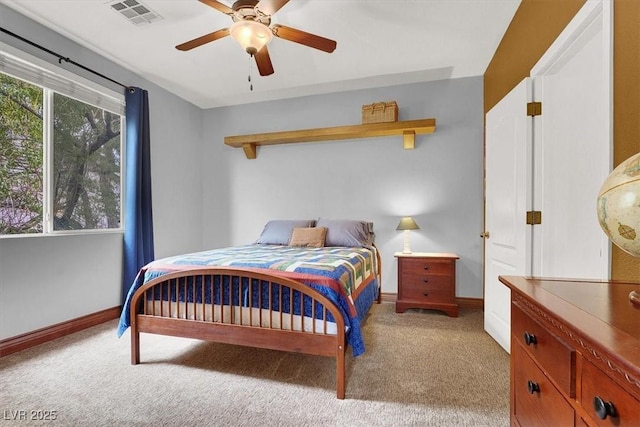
(426, 294)
(533, 387)
(425, 280)
(530, 338)
(426, 267)
(604, 409)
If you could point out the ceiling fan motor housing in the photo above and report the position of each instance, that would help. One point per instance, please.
(243, 4)
(246, 10)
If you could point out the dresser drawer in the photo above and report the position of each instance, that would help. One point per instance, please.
(537, 401)
(553, 355)
(600, 391)
(427, 288)
(428, 266)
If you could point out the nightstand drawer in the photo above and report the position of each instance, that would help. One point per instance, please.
(420, 281)
(436, 290)
(428, 266)
(552, 354)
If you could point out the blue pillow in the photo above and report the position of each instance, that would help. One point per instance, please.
(346, 232)
(278, 231)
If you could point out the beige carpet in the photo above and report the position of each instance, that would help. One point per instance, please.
(421, 368)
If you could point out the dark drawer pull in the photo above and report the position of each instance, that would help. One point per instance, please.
(426, 294)
(533, 387)
(604, 409)
(530, 338)
(425, 280)
(426, 267)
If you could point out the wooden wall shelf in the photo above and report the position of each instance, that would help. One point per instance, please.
(408, 129)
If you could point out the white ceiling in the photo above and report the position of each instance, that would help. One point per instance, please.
(380, 43)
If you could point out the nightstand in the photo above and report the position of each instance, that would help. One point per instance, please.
(427, 280)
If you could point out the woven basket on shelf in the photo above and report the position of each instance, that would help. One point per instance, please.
(379, 112)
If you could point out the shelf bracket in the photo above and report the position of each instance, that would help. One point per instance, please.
(250, 150)
(409, 140)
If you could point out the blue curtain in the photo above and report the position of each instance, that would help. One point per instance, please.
(138, 218)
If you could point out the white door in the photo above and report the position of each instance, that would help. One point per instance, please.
(508, 166)
(572, 146)
(554, 163)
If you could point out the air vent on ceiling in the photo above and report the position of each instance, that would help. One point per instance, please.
(134, 11)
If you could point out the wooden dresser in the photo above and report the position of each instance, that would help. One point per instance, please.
(575, 352)
(427, 280)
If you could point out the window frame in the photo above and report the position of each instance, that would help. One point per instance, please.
(74, 81)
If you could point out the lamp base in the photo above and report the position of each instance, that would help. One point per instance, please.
(407, 243)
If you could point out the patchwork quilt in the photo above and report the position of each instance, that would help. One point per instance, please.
(346, 275)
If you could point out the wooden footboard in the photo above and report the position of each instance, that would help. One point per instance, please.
(242, 307)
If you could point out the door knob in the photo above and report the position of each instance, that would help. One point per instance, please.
(484, 234)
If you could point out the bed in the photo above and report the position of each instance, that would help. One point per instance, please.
(304, 289)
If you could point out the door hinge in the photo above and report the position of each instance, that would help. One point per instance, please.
(534, 217)
(534, 108)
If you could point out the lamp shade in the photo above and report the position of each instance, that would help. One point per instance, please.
(407, 223)
(251, 35)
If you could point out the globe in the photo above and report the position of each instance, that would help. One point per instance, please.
(619, 206)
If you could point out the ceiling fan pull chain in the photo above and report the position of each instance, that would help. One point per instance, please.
(250, 84)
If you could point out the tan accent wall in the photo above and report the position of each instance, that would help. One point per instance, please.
(536, 24)
(626, 107)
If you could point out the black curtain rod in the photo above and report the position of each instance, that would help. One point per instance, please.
(61, 58)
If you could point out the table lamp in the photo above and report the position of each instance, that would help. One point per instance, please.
(407, 223)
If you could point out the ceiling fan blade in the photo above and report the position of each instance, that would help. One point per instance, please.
(269, 7)
(307, 39)
(203, 39)
(263, 61)
(219, 6)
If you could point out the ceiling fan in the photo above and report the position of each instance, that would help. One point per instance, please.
(251, 28)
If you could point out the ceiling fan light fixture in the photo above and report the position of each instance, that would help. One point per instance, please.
(251, 35)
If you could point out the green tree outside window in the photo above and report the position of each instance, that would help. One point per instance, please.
(84, 158)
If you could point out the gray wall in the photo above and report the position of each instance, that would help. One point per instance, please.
(439, 183)
(45, 280)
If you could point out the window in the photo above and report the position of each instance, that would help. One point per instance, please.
(60, 152)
